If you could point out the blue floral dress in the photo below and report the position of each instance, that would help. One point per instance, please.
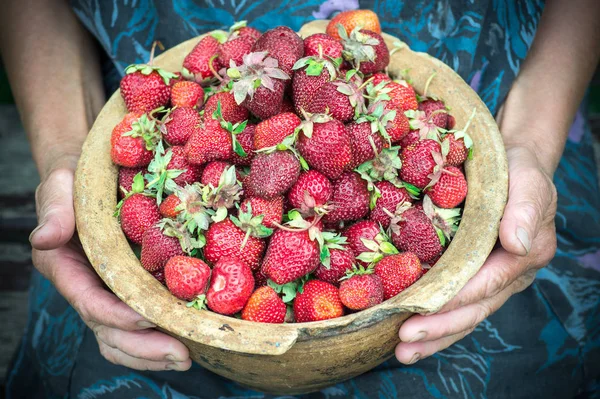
(544, 342)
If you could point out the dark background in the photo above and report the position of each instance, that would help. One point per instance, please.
(18, 180)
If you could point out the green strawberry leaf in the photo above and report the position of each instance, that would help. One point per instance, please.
(303, 163)
(138, 183)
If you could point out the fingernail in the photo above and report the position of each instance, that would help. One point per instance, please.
(523, 236)
(418, 337)
(170, 358)
(174, 366)
(415, 358)
(35, 231)
(145, 324)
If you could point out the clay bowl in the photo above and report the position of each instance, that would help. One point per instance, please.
(305, 357)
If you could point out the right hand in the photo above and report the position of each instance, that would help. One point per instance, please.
(124, 337)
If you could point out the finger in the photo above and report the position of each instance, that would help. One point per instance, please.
(80, 285)
(410, 353)
(420, 328)
(115, 356)
(54, 202)
(156, 346)
(531, 199)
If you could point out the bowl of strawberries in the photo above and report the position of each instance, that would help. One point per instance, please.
(282, 202)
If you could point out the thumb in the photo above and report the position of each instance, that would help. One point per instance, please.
(56, 217)
(530, 196)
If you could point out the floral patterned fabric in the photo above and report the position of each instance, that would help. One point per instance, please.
(544, 342)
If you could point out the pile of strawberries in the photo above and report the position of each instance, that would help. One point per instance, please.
(279, 179)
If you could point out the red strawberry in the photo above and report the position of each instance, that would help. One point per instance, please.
(230, 110)
(330, 98)
(283, 44)
(340, 262)
(326, 146)
(202, 62)
(391, 123)
(158, 248)
(211, 142)
(413, 231)
(350, 199)
(246, 140)
(212, 172)
(168, 208)
(239, 43)
(271, 210)
(311, 73)
(249, 33)
(258, 84)
(265, 306)
(398, 272)
(361, 291)
(450, 190)
(396, 95)
(187, 277)
(260, 279)
(187, 94)
(290, 255)
(231, 286)
(418, 162)
(390, 197)
(352, 19)
(411, 138)
(360, 138)
(321, 44)
(436, 111)
(180, 124)
(272, 131)
(191, 173)
(380, 77)
(310, 193)
(365, 229)
(318, 301)
(126, 176)
(272, 174)
(366, 49)
(133, 140)
(138, 213)
(225, 239)
(458, 151)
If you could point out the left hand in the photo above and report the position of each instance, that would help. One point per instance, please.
(528, 238)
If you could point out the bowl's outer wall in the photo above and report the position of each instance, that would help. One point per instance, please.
(296, 358)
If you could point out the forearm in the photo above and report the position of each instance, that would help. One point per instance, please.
(544, 99)
(52, 64)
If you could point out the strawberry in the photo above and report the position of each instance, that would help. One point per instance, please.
(283, 44)
(450, 189)
(230, 110)
(258, 84)
(146, 87)
(126, 176)
(133, 140)
(436, 111)
(137, 214)
(322, 45)
(211, 142)
(246, 140)
(212, 172)
(418, 162)
(239, 43)
(340, 261)
(413, 231)
(231, 286)
(158, 248)
(311, 73)
(325, 145)
(352, 19)
(389, 198)
(350, 200)
(363, 139)
(260, 279)
(179, 125)
(361, 289)
(271, 210)
(380, 77)
(160, 276)
(187, 277)
(330, 99)
(411, 138)
(226, 239)
(225, 194)
(458, 151)
(265, 306)
(191, 173)
(272, 174)
(355, 234)
(318, 301)
(290, 255)
(393, 125)
(162, 171)
(201, 64)
(272, 131)
(365, 49)
(187, 94)
(169, 207)
(310, 193)
(398, 272)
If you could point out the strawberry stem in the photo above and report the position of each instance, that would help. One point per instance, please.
(212, 68)
(427, 83)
